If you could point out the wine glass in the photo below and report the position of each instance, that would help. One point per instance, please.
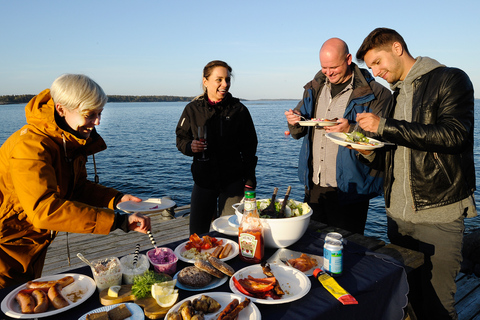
(202, 137)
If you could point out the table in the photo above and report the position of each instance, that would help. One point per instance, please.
(378, 283)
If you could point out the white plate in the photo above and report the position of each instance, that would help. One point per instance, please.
(149, 205)
(294, 283)
(251, 312)
(233, 221)
(11, 308)
(311, 123)
(135, 310)
(290, 254)
(216, 282)
(181, 248)
(339, 138)
(223, 225)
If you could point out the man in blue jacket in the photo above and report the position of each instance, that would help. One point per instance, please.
(430, 176)
(337, 186)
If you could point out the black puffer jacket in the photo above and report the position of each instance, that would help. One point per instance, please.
(231, 141)
(440, 138)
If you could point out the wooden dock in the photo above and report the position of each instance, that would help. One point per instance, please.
(166, 230)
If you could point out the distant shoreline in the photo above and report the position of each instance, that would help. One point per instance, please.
(25, 98)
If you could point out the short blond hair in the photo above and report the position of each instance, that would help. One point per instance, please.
(78, 91)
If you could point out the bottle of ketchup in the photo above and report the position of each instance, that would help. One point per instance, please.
(250, 231)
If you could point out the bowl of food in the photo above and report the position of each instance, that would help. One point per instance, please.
(107, 272)
(131, 269)
(163, 260)
(281, 232)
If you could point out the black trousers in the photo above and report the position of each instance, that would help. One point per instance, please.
(329, 210)
(204, 203)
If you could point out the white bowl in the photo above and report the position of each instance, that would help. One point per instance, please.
(280, 233)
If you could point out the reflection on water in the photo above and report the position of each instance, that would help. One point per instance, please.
(142, 158)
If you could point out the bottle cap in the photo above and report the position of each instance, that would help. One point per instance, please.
(250, 194)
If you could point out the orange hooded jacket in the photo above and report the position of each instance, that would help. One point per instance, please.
(44, 190)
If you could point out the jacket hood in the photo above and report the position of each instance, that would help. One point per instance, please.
(40, 113)
(422, 65)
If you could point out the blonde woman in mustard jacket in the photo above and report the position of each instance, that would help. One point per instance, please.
(43, 179)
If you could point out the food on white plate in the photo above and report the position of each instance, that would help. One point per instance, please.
(194, 277)
(195, 309)
(208, 268)
(260, 288)
(303, 263)
(40, 295)
(232, 310)
(221, 266)
(324, 120)
(359, 138)
(194, 254)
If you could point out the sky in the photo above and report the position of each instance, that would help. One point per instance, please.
(157, 47)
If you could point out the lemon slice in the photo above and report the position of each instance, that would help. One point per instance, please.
(113, 291)
(161, 291)
(170, 283)
(167, 301)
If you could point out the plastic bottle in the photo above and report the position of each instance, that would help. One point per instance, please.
(250, 231)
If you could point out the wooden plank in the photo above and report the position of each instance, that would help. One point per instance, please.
(117, 243)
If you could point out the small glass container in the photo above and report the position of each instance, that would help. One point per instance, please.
(107, 272)
(129, 271)
(163, 260)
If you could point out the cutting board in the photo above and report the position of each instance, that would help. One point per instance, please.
(150, 306)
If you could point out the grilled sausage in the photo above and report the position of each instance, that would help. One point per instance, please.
(226, 251)
(229, 308)
(65, 281)
(217, 251)
(55, 296)
(26, 302)
(41, 301)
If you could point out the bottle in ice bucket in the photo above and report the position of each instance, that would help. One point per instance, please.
(250, 231)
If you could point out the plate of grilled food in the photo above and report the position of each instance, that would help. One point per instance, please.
(298, 260)
(48, 296)
(215, 305)
(270, 284)
(202, 248)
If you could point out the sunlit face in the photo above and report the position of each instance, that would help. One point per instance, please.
(81, 121)
(217, 84)
(386, 64)
(336, 67)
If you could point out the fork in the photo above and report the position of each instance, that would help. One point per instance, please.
(285, 261)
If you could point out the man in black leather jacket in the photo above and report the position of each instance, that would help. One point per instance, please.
(430, 175)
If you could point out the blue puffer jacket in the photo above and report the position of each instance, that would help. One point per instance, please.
(355, 181)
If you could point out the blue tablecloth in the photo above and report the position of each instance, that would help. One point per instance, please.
(377, 282)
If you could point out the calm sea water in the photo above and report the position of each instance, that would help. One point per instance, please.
(142, 158)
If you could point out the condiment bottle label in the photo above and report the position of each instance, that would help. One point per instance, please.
(248, 245)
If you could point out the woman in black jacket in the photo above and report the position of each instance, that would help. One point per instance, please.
(224, 164)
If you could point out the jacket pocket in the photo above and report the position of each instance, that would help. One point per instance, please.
(440, 164)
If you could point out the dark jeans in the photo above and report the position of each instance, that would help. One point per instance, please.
(329, 210)
(203, 206)
(432, 286)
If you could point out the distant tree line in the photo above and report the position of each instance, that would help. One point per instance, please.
(24, 98)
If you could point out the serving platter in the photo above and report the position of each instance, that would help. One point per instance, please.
(233, 253)
(294, 282)
(82, 288)
(251, 312)
(146, 206)
(340, 139)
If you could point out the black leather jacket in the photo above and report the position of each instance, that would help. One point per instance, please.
(440, 138)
